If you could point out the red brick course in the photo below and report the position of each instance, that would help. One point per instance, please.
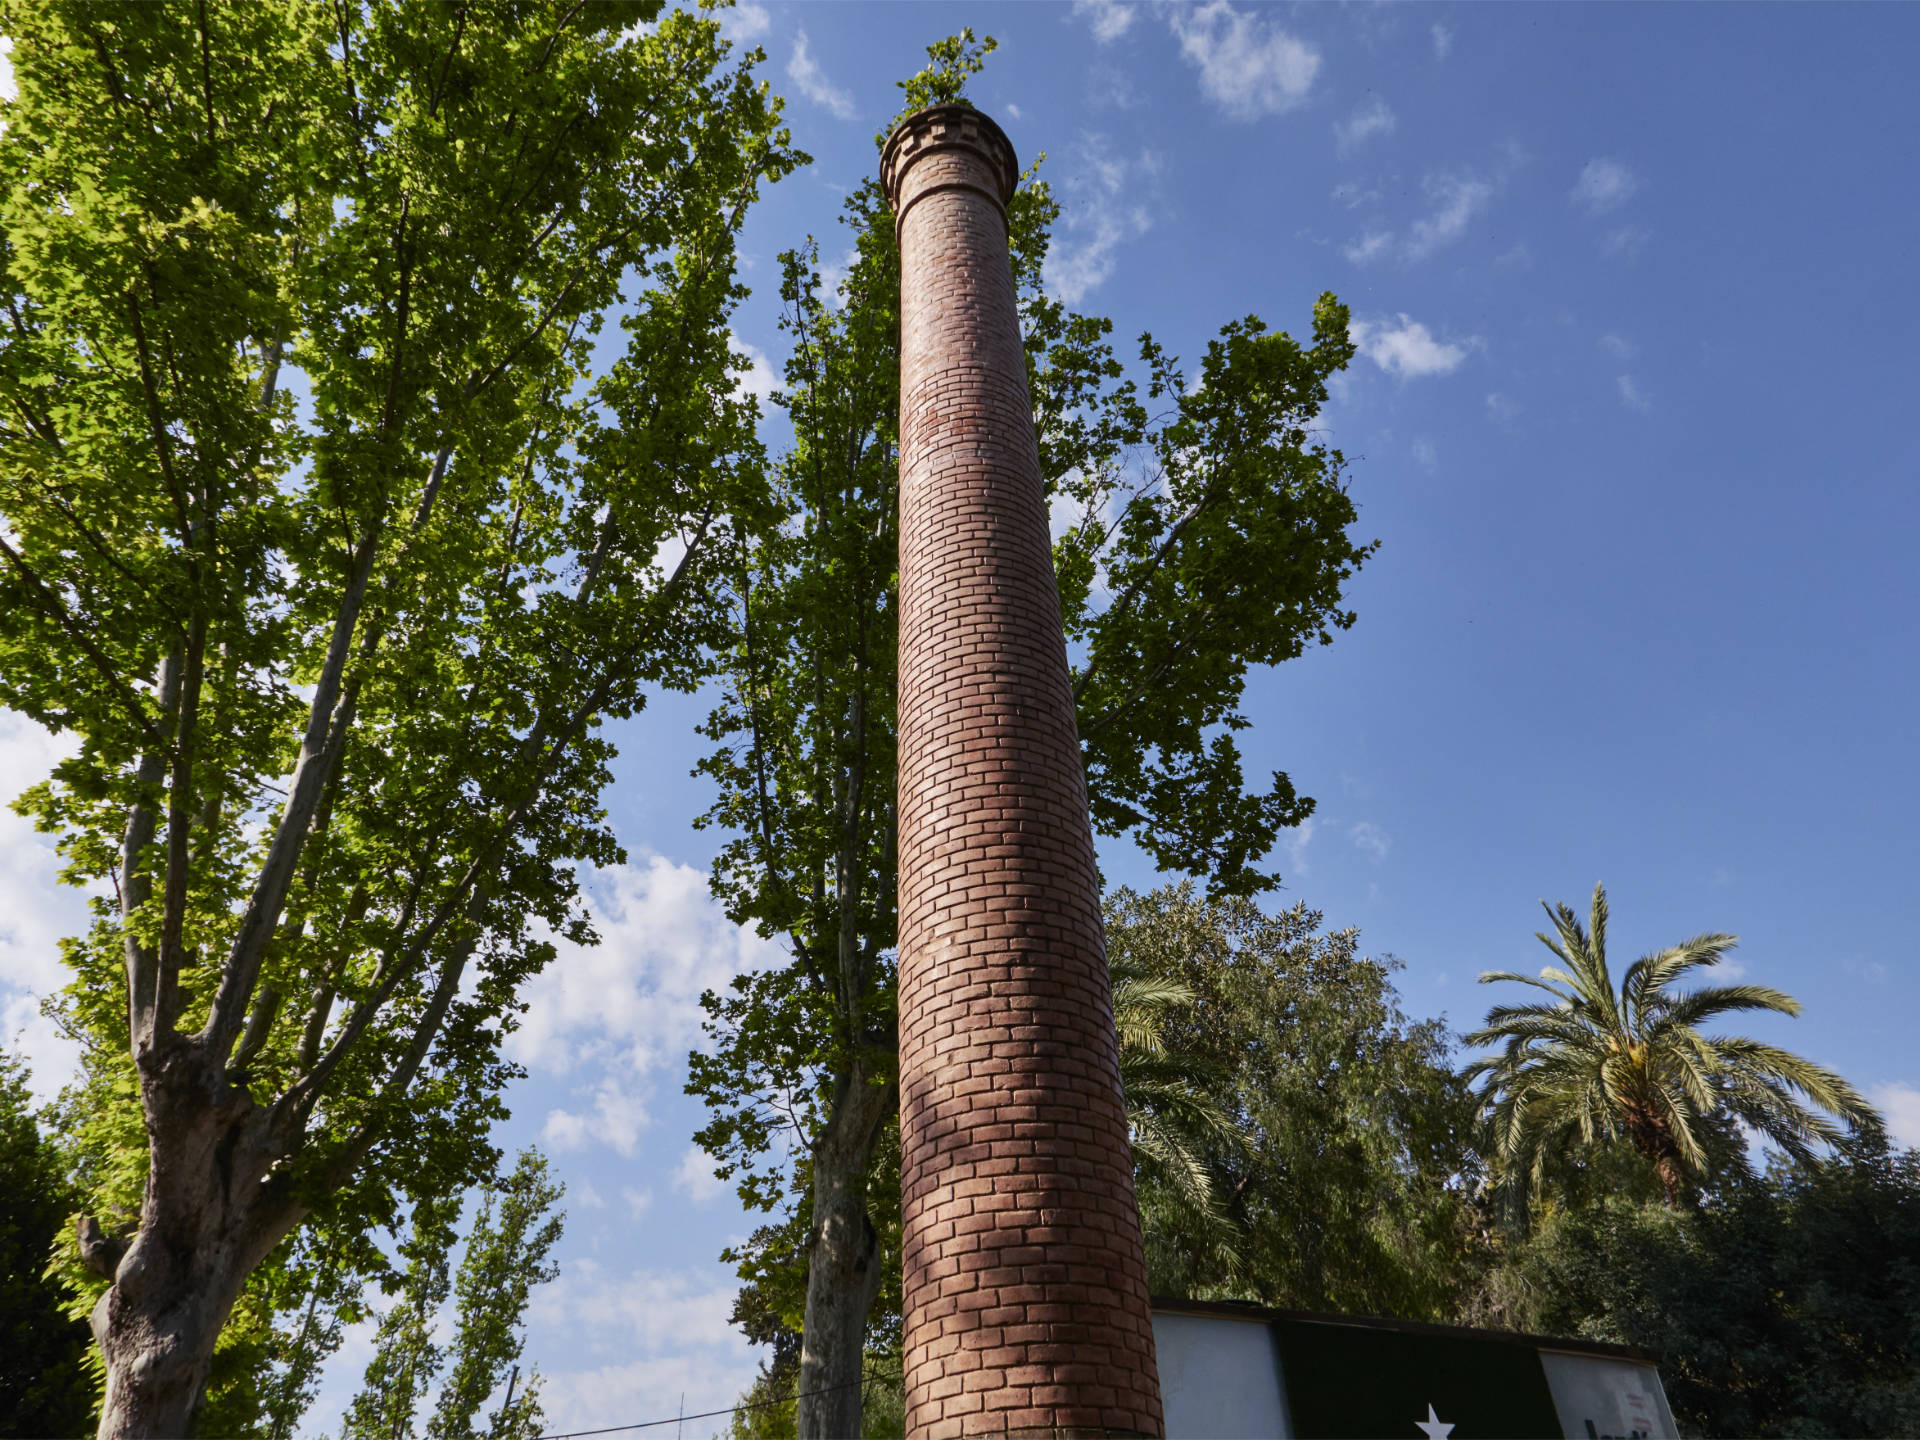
(1025, 1284)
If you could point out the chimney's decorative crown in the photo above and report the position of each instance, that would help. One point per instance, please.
(949, 127)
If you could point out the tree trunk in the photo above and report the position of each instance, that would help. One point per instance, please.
(844, 1264)
(205, 1223)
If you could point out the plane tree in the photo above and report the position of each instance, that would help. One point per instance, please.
(330, 530)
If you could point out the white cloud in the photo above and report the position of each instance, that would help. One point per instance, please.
(1632, 395)
(1618, 346)
(1900, 1103)
(585, 1196)
(1624, 242)
(1248, 66)
(1013, 110)
(1457, 199)
(1368, 247)
(1519, 255)
(564, 1130)
(1406, 348)
(1107, 201)
(744, 20)
(1296, 842)
(620, 1011)
(694, 1177)
(834, 273)
(1604, 185)
(1502, 409)
(1108, 19)
(36, 911)
(647, 1343)
(1442, 42)
(1425, 453)
(1372, 839)
(1371, 118)
(1351, 195)
(639, 1202)
(805, 72)
(758, 379)
(663, 940)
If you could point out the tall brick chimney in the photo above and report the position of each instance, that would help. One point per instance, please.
(1025, 1283)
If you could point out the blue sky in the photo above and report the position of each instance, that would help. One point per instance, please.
(1633, 420)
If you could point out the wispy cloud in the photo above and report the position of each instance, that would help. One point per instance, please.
(622, 1343)
(1900, 1103)
(805, 72)
(1442, 42)
(694, 1177)
(614, 1015)
(1107, 201)
(1108, 19)
(757, 379)
(1456, 199)
(1618, 346)
(1372, 117)
(1296, 842)
(1624, 241)
(1368, 246)
(1405, 348)
(1248, 66)
(1502, 409)
(36, 910)
(743, 20)
(1632, 395)
(1371, 839)
(1351, 194)
(1604, 185)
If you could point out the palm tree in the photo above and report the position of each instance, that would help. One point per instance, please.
(1171, 1115)
(1597, 1065)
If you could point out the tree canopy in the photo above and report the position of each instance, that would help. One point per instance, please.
(1346, 1167)
(334, 545)
(1593, 1063)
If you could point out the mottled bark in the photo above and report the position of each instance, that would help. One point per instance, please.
(844, 1263)
(208, 1218)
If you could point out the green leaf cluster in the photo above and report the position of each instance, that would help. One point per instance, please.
(508, 1246)
(1595, 1064)
(1784, 1304)
(334, 524)
(46, 1387)
(1345, 1165)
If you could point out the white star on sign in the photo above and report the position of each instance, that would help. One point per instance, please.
(1435, 1427)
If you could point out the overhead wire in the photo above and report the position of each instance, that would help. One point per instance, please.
(711, 1414)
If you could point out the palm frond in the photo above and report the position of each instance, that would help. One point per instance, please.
(1690, 1009)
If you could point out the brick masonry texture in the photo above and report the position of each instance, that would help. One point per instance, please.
(1025, 1284)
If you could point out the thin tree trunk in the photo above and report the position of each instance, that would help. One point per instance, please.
(844, 1264)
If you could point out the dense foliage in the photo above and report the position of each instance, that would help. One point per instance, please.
(46, 1387)
(1786, 1303)
(332, 530)
(513, 1232)
(1346, 1166)
(1595, 1063)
